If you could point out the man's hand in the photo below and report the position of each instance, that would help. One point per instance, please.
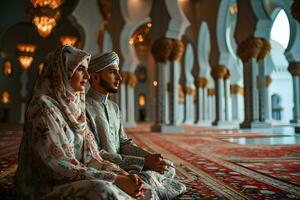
(131, 184)
(156, 162)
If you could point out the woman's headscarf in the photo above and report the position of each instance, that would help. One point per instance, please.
(55, 82)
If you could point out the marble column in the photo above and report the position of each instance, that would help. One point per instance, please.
(203, 103)
(175, 57)
(294, 69)
(130, 122)
(268, 81)
(227, 96)
(161, 51)
(122, 99)
(263, 101)
(218, 73)
(237, 93)
(251, 51)
(189, 108)
(174, 94)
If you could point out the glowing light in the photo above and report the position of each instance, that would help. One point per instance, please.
(155, 83)
(142, 100)
(68, 40)
(131, 41)
(44, 25)
(26, 52)
(233, 9)
(53, 4)
(5, 97)
(7, 68)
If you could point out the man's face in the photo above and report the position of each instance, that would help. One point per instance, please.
(110, 79)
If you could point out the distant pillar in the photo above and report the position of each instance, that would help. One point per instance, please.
(175, 57)
(161, 51)
(203, 103)
(253, 52)
(218, 72)
(294, 69)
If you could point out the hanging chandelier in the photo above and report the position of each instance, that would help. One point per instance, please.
(26, 53)
(45, 14)
(68, 40)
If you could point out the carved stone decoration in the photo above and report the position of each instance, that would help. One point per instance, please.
(264, 50)
(161, 49)
(295, 10)
(190, 91)
(249, 48)
(211, 92)
(227, 75)
(236, 89)
(294, 68)
(268, 80)
(202, 82)
(219, 71)
(177, 50)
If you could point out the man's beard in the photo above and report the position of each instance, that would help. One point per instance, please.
(106, 86)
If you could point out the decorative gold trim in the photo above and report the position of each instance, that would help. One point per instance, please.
(177, 50)
(236, 89)
(211, 92)
(190, 91)
(161, 49)
(294, 68)
(219, 71)
(295, 10)
(202, 82)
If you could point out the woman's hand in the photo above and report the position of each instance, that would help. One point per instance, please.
(131, 184)
(156, 162)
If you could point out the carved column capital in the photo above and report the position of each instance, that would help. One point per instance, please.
(249, 48)
(202, 82)
(295, 10)
(211, 92)
(294, 68)
(227, 75)
(264, 50)
(190, 91)
(219, 71)
(236, 89)
(268, 80)
(161, 49)
(177, 50)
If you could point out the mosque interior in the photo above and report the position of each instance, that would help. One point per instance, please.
(206, 82)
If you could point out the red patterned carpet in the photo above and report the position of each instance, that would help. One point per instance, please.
(211, 167)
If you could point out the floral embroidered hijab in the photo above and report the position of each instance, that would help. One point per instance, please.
(55, 81)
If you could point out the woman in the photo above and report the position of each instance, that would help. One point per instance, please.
(58, 156)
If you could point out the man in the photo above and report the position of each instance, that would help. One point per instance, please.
(105, 122)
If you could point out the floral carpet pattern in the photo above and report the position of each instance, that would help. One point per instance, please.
(209, 165)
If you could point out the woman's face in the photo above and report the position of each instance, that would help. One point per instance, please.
(80, 78)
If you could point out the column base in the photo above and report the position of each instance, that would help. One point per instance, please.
(164, 128)
(204, 123)
(297, 129)
(295, 121)
(225, 124)
(129, 124)
(261, 125)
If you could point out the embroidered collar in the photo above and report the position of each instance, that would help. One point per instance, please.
(97, 96)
